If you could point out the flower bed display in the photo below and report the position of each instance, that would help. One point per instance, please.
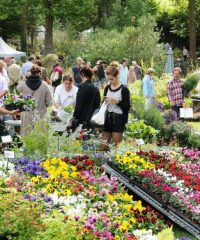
(173, 176)
(76, 193)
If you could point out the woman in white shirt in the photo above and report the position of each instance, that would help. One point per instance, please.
(65, 94)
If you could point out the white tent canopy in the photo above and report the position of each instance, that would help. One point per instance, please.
(6, 51)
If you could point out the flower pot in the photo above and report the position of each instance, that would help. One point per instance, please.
(11, 107)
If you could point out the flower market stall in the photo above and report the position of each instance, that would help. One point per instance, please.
(58, 187)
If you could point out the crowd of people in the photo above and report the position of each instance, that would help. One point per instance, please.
(80, 89)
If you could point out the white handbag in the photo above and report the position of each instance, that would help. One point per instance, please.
(99, 117)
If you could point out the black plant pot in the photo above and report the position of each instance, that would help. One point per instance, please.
(12, 107)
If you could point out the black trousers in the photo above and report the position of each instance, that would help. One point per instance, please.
(177, 110)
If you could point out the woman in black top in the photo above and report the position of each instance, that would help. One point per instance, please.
(118, 98)
(88, 99)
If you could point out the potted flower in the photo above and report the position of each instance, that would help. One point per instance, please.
(22, 103)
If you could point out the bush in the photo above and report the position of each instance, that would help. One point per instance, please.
(191, 83)
(194, 141)
(153, 118)
(170, 116)
(179, 131)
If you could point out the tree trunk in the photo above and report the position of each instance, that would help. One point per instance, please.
(192, 28)
(48, 29)
(24, 29)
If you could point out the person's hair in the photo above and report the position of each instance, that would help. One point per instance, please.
(30, 59)
(2, 62)
(150, 70)
(37, 57)
(35, 70)
(12, 61)
(124, 60)
(67, 77)
(134, 62)
(177, 69)
(112, 70)
(79, 58)
(39, 63)
(87, 72)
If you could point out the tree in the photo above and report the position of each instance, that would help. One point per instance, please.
(192, 28)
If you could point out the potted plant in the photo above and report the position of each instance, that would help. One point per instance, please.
(22, 103)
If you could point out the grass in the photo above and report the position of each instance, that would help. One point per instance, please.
(195, 125)
(179, 232)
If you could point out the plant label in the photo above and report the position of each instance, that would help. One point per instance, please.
(139, 142)
(6, 139)
(186, 113)
(9, 154)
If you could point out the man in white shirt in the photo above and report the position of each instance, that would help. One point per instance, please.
(26, 67)
(123, 72)
(14, 73)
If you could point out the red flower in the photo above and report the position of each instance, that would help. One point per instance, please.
(196, 187)
(187, 183)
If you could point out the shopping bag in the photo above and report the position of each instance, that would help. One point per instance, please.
(99, 117)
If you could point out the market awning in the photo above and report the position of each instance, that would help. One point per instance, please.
(7, 51)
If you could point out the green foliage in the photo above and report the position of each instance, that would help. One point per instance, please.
(165, 102)
(140, 44)
(191, 82)
(128, 12)
(153, 118)
(57, 228)
(137, 130)
(194, 141)
(19, 219)
(49, 60)
(37, 141)
(176, 131)
(166, 234)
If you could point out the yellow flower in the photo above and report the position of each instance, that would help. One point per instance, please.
(132, 220)
(127, 197)
(117, 237)
(74, 174)
(54, 161)
(67, 192)
(65, 175)
(110, 197)
(35, 180)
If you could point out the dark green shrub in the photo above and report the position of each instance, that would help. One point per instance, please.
(191, 83)
(194, 141)
(153, 118)
(180, 131)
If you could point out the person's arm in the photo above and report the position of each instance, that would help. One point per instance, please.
(97, 99)
(4, 89)
(79, 102)
(57, 98)
(3, 93)
(5, 111)
(48, 97)
(125, 103)
(170, 97)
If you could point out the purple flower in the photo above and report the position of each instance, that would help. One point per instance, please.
(76, 218)
(47, 199)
